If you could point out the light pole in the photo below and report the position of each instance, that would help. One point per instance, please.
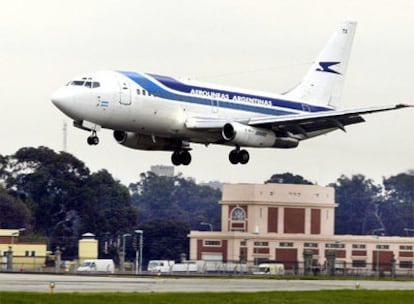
(123, 250)
(256, 258)
(141, 233)
(207, 224)
(377, 237)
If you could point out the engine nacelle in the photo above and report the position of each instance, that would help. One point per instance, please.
(244, 135)
(144, 142)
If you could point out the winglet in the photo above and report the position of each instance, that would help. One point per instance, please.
(403, 105)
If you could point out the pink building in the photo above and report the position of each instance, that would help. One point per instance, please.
(280, 222)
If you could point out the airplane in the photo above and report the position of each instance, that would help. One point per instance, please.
(153, 112)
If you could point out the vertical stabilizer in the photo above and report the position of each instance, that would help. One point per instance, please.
(324, 81)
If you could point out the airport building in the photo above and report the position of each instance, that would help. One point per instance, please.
(25, 255)
(294, 225)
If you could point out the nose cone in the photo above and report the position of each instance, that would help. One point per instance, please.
(62, 99)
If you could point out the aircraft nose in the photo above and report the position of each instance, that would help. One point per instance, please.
(61, 99)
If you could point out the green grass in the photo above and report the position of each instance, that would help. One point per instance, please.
(308, 297)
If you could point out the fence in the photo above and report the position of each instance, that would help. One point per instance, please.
(235, 269)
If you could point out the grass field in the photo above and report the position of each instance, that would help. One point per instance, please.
(320, 297)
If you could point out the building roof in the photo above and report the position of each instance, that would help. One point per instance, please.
(274, 193)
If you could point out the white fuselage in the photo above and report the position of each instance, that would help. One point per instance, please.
(161, 106)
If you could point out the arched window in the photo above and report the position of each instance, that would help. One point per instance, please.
(238, 214)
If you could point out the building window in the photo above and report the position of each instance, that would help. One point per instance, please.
(261, 244)
(211, 243)
(359, 246)
(27, 253)
(406, 264)
(403, 247)
(359, 263)
(243, 243)
(286, 244)
(33, 253)
(335, 245)
(311, 245)
(383, 247)
(238, 214)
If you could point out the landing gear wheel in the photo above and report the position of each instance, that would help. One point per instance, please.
(185, 158)
(93, 140)
(234, 157)
(244, 157)
(175, 158)
(238, 156)
(181, 157)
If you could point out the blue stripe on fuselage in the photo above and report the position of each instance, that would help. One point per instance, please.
(155, 89)
(184, 88)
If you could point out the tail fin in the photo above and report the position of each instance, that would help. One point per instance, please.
(324, 81)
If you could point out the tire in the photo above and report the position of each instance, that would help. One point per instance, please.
(175, 158)
(185, 158)
(234, 157)
(90, 140)
(244, 157)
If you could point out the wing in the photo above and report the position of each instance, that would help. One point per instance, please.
(299, 126)
(305, 126)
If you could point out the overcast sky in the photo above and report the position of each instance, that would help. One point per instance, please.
(264, 45)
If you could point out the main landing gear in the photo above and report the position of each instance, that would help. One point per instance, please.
(181, 157)
(93, 139)
(237, 156)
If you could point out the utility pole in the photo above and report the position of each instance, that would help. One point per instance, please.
(123, 250)
(65, 136)
(139, 268)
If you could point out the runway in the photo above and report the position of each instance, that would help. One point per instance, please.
(72, 283)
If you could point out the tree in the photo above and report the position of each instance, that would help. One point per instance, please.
(398, 206)
(358, 200)
(175, 198)
(65, 199)
(14, 213)
(3, 165)
(288, 178)
(107, 208)
(50, 184)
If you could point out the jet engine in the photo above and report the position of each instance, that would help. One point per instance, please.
(144, 142)
(248, 136)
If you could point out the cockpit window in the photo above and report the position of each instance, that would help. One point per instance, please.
(78, 83)
(88, 84)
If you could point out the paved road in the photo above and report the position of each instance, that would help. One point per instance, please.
(72, 283)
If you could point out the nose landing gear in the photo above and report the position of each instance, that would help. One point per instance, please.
(93, 139)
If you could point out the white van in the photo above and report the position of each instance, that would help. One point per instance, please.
(163, 266)
(271, 269)
(98, 265)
